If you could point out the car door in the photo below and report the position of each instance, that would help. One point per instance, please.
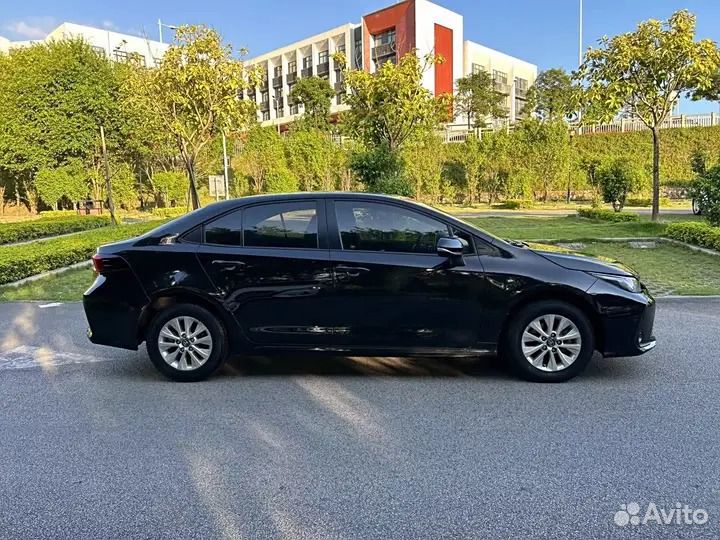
(270, 265)
(393, 289)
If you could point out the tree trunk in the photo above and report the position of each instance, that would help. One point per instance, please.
(194, 197)
(656, 174)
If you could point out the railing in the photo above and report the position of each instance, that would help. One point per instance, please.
(460, 132)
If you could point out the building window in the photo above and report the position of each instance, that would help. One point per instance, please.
(307, 62)
(519, 106)
(322, 57)
(294, 109)
(477, 68)
(100, 51)
(266, 115)
(280, 112)
(264, 97)
(341, 48)
(499, 76)
(277, 71)
(157, 62)
(292, 66)
(385, 38)
(120, 56)
(339, 98)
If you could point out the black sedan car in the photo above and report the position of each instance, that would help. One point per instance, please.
(361, 274)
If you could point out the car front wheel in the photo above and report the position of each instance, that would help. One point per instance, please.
(549, 342)
(186, 343)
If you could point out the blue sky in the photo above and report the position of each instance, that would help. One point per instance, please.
(544, 32)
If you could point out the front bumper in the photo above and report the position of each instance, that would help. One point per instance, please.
(626, 320)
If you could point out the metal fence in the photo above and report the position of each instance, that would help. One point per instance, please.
(453, 133)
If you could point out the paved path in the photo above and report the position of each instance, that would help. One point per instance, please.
(559, 213)
(95, 444)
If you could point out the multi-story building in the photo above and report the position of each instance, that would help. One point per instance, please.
(384, 36)
(116, 46)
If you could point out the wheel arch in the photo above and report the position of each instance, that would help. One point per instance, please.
(162, 300)
(556, 294)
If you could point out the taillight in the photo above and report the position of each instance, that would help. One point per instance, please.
(104, 264)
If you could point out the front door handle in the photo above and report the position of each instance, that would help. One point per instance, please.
(228, 265)
(351, 271)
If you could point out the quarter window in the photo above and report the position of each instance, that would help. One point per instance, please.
(383, 227)
(292, 225)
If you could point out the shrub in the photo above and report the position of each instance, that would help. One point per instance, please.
(169, 212)
(603, 214)
(706, 191)
(29, 230)
(617, 178)
(514, 204)
(50, 214)
(695, 232)
(647, 202)
(18, 262)
(381, 171)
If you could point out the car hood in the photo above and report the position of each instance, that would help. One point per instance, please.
(576, 261)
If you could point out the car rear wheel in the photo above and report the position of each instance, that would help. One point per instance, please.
(186, 343)
(549, 342)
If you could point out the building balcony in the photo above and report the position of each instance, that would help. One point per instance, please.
(521, 91)
(291, 77)
(323, 69)
(277, 82)
(264, 84)
(386, 49)
(502, 87)
(264, 106)
(291, 101)
(306, 72)
(340, 86)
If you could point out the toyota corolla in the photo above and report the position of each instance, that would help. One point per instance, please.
(361, 274)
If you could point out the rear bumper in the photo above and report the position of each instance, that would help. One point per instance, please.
(113, 312)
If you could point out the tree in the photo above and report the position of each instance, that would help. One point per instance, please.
(617, 179)
(646, 72)
(476, 99)
(544, 150)
(312, 158)
(391, 105)
(67, 181)
(262, 163)
(497, 150)
(170, 186)
(423, 158)
(194, 91)
(53, 99)
(553, 96)
(380, 171)
(314, 94)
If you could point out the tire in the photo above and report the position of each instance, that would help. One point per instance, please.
(570, 355)
(198, 361)
(696, 207)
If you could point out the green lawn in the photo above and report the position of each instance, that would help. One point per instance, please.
(569, 227)
(66, 286)
(667, 268)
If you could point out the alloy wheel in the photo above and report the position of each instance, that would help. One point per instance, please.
(551, 342)
(185, 343)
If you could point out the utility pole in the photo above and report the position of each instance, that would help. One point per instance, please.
(108, 184)
(160, 30)
(225, 166)
(580, 36)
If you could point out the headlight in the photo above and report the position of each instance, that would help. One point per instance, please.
(624, 282)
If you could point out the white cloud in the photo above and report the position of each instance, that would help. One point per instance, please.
(109, 25)
(32, 27)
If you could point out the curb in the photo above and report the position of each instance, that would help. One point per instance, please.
(30, 279)
(707, 251)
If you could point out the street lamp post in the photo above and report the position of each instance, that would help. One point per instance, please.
(160, 27)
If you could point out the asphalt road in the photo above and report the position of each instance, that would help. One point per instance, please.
(559, 213)
(93, 443)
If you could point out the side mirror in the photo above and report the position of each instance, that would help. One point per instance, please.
(450, 246)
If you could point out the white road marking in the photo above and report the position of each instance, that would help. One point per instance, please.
(25, 356)
(51, 304)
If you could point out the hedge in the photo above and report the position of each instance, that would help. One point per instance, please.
(39, 228)
(698, 233)
(664, 201)
(170, 212)
(603, 214)
(676, 148)
(58, 213)
(18, 262)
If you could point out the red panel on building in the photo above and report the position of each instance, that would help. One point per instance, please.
(444, 71)
(400, 16)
